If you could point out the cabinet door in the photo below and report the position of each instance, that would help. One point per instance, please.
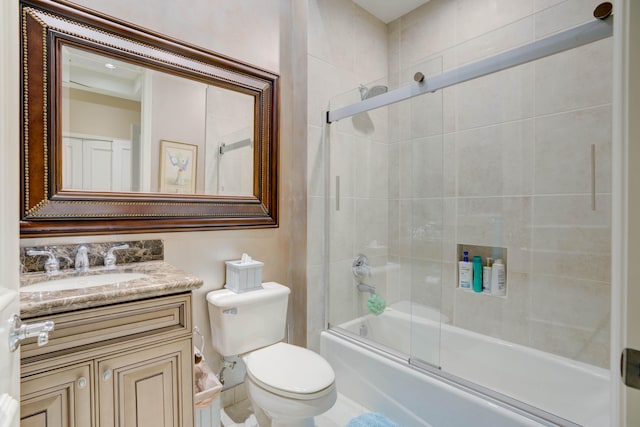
(151, 387)
(57, 398)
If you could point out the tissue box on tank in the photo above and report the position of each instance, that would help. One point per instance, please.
(244, 276)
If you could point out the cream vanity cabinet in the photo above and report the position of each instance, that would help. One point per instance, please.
(128, 364)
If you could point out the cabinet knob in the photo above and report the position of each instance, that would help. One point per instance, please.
(107, 374)
(82, 382)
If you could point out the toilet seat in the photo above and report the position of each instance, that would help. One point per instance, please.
(290, 371)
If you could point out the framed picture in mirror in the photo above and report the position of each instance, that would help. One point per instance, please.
(178, 167)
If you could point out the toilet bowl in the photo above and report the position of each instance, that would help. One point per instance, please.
(287, 385)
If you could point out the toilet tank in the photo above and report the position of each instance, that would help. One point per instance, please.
(242, 322)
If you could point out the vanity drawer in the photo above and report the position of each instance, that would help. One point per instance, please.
(157, 318)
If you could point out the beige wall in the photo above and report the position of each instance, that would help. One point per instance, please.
(222, 27)
(94, 114)
(499, 161)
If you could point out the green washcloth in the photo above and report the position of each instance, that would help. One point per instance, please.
(376, 304)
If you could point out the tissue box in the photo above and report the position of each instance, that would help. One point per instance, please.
(244, 276)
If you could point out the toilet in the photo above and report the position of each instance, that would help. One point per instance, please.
(287, 385)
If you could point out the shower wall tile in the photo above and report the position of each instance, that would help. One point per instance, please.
(370, 53)
(405, 228)
(427, 229)
(398, 286)
(571, 211)
(482, 16)
(568, 137)
(555, 15)
(341, 158)
(370, 161)
(504, 318)
(427, 30)
(370, 224)
(331, 33)
(506, 96)
(495, 160)
(342, 232)
(450, 165)
(570, 302)
(426, 282)
(449, 277)
(394, 228)
(427, 167)
(324, 81)
(575, 343)
(498, 222)
(482, 45)
(405, 178)
(315, 167)
(315, 306)
(344, 303)
(585, 79)
(394, 171)
(450, 230)
(315, 227)
(427, 115)
(574, 265)
(578, 239)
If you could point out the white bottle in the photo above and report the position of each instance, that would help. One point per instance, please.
(486, 277)
(465, 272)
(498, 279)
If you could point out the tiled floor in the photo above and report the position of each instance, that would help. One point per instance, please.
(240, 415)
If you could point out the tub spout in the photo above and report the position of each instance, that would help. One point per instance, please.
(363, 287)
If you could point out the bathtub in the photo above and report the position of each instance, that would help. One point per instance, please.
(567, 389)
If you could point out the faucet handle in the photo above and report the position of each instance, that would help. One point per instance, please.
(110, 257)
(51, 265)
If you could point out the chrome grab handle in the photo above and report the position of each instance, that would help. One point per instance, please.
(19, 331)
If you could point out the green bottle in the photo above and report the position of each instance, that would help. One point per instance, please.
(477, 274)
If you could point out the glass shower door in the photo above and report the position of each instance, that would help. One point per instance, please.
(371, 209)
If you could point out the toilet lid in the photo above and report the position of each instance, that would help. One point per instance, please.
(290, 370)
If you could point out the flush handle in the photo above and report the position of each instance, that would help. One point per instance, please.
(233, 310)
(20, 331)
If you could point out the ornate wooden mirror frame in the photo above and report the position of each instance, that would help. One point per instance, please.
(49, 210)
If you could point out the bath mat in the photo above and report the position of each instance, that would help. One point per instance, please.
(371, 419)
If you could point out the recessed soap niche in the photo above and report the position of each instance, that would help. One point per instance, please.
(483, 252)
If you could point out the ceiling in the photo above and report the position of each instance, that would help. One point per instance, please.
(389, 10)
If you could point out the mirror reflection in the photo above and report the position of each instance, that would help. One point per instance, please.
(134, 129)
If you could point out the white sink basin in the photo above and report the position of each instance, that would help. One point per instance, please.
(82, 282)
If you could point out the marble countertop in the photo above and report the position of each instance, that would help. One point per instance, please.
(161, 279)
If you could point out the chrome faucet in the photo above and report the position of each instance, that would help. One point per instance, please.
(110, 257)
(51, 265)
(82, 259)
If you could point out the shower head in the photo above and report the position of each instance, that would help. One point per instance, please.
(366, 93)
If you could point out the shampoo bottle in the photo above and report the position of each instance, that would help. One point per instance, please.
(486, 276)
(477, 274)
(498, 279)
(465, 272)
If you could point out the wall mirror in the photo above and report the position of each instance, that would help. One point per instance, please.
(126, 130)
